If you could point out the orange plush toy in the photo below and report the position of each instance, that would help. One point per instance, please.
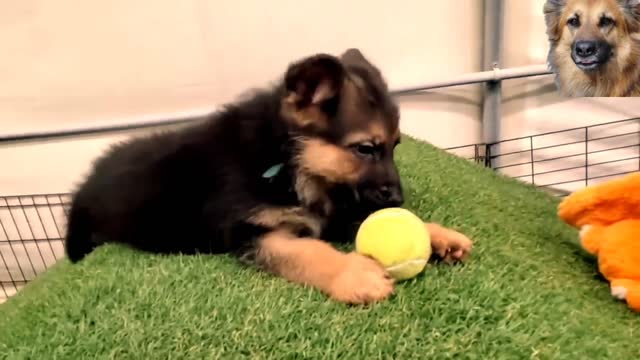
(608, 216)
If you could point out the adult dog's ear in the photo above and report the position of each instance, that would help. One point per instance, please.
(310, 84)
(552, 12)
(354, 57)
(632, 11)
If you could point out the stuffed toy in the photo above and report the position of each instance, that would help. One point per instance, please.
(608, 216)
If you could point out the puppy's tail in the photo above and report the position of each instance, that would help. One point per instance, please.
(78, 243)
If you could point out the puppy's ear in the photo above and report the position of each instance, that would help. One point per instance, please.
(312, 85)
(552, 12)
(354, 57)
(314, 80)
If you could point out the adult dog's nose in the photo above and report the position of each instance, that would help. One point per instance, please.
(586, 48)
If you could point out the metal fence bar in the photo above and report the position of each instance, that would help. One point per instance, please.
(495, 75)
(106, 127)
(586, 156)
(587, 138)
(478, 77)
(609, 123)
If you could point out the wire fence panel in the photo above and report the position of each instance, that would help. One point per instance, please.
(31, 237)
(567, 160)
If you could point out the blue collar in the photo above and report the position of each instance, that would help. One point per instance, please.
(272, 171)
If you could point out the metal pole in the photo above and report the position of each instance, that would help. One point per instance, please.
(492, 51)
(110, 126)
(476, 78)
(495, 75)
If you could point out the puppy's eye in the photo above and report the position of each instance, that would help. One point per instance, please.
(606, 21)
(365, 149)
(574, 22)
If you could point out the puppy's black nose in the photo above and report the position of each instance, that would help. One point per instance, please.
(391, 195)
(586, 48)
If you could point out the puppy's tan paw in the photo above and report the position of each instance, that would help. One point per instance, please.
(450, 245)
(362, 280)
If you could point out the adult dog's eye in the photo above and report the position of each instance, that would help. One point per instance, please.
(606, 21)
(574, 22)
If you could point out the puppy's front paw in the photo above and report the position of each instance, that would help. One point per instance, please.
(449, 244)
(362, 280)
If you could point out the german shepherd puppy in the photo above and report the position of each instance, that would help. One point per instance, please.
(595, 46)
(272, 178)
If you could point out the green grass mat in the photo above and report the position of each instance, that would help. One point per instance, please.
(527, 292)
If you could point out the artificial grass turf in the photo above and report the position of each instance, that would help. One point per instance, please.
(528, 291)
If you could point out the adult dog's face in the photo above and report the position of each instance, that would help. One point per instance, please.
(591, 33)
(346, 128)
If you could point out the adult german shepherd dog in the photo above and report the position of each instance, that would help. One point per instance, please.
(595, 46)
(273, 178)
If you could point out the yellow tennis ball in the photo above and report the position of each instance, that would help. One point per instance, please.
(398, 239)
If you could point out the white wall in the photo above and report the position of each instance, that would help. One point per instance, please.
(67, 63)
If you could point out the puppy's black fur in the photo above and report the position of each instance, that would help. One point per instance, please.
(185, 191)
(200, 189)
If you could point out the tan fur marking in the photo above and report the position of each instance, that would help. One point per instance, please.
(293, 218)
(312, 192)
(376, 133)
(357, 137)
(303, 117)
(331, 162)
(350, 278)
(302, 260)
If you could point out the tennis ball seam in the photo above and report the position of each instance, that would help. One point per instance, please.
(406, 263)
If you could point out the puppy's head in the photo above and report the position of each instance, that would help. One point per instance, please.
(591, 33)
(345, 125)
